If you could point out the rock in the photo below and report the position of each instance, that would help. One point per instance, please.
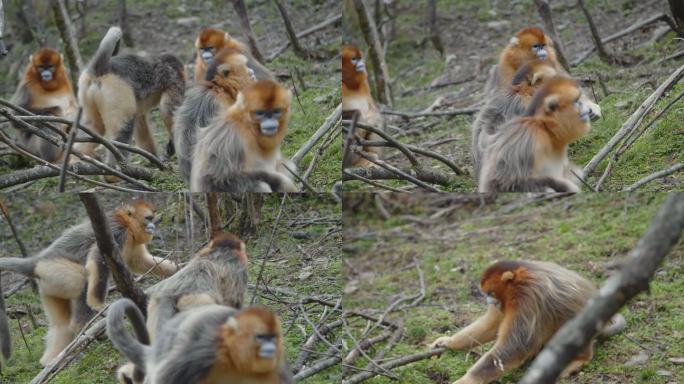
(664, 373)
(499, 25)
(676, 360)
(639, 359)
(188, 21)
(622, 104)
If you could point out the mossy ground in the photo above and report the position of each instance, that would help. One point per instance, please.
(584, 233)
(307, 239)
(175, 25)
(474, 33)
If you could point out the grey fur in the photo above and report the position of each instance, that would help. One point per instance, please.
(197, 110)
(100, 63)
(217, 273)
(511, 158)
(135, 349)
(260, 71)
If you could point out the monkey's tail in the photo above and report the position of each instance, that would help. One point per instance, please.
(5, 341)
(109, 46)
(616, 325)
(25, 266)
(134, 349)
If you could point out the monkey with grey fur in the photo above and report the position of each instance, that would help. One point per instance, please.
(117, 92)
(72, 275)
(192, 347)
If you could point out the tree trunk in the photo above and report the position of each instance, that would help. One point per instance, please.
(214, 217)
(291, 34)
(68, 34)
(677, 8)
(370, 34)
(250, 217)
(28, 12)
(603, 54)
(241, 10)
(123, 21)
(433, 32)
(3, 50)
(545, 13)
(110, 253)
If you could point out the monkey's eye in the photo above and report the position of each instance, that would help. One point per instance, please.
(269, 337)
(149, 218)
(538, 46)
(276, 113)
(260, 113)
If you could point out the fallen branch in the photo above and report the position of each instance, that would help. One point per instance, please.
(426, 175)
(654, 176)
(329, 123)
(359, 377)
(402, 174)
(352, 176)
(453, 112)
(330, 21)
(421, 151)
(634, 277)
(634, 121)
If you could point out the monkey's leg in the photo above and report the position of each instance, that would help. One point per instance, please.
(59, 335)
(142, 134)
(81, 313)
(91, 119)
(98, 274)
(579, 361)
(167, 105)
(479, 332)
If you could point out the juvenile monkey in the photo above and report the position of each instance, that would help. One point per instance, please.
(72, 275)
(211, 344)
(506, 104)
(217, 274)
(117, 92)
(226, 76)
(529, 153)
(526, 45)
(211, 41)
(45, 89)
(528, 301)
(356, 98)
(240, 150)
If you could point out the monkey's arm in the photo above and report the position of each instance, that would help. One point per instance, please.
(154, 265)
(479, 332)
(98, 274)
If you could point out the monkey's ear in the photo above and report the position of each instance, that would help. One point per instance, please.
(551, 103)
(240, 100)
(232, 324)
(537, 77)
(226, 36)
(514, 41)
(242, 59)
(61, 58)
(507, 276)
(548, 41)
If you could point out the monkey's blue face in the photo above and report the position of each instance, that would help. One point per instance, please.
(491, 300)
(150, 223)
(583, 110)
(46, 72)
(267, 346)
(359, 64)
(207, 54)
(268, 120)
(540, 50)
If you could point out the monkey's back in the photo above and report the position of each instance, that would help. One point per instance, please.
(148, 76)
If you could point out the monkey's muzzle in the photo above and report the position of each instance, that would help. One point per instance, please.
(268, 350)
(269, 126)
(150, 228)
(541, 53)
(207, 55)
(360, 66)
(46, 75)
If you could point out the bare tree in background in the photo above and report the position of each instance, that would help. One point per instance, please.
(214, 216)
(28, 12)
(123, 23)
(376, 54)
(250, 214)
(433, 32)
(677, 8)
(550, 29)
(634, 277)
(68, 34)
(603, 54)
(241, 10)
(296, 46)
(3, 50)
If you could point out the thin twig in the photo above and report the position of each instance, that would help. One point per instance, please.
(67, 151)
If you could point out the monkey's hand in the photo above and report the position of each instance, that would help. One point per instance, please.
(442, 342)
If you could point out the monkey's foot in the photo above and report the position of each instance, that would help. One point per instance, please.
(442, 342)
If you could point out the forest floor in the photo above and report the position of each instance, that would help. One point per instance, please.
(453, 243)
(474, 33)
(172, 27)
(305, 259)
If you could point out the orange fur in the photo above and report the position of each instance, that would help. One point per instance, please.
(231, 241)
(238, 353)
(60, 80)
(515, 55)
(262, 95)
(216, 39)
(133, 218)
(231, 75)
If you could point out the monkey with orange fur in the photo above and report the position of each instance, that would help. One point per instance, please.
(45, 89)
(529, 153)
(528, 44)
(211, 344)
(240, 151)
(528, 301)
(211, 41)
(356, 98)
(507, 104)
(226, 76)
(72, 275)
